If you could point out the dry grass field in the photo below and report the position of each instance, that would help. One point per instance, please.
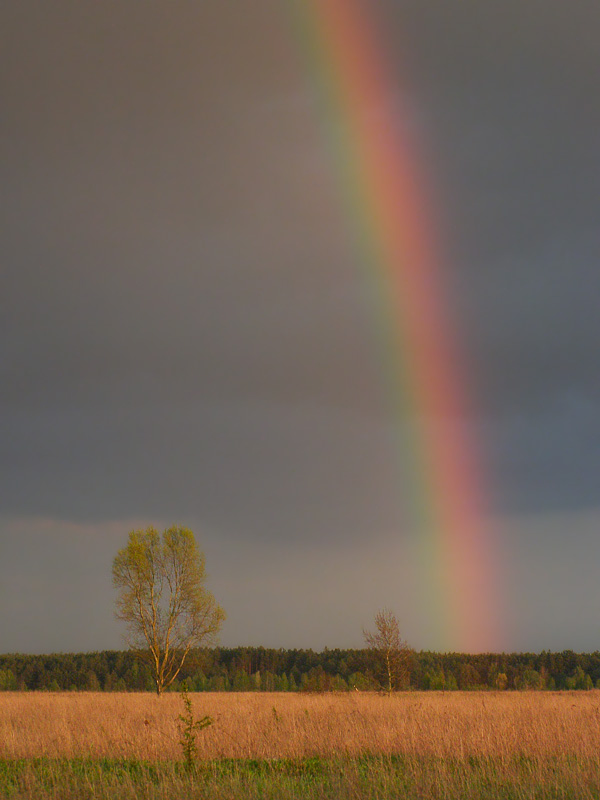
(412, 745)
(248, 725)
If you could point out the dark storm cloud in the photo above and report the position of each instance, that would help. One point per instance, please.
(157, 209)
(185, 329)
(253, 471)
(507, 99)
(508, 93)
(163, 304)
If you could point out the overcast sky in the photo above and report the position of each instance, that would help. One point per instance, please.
(187, 335)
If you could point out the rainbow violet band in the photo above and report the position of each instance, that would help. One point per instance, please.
(383, 185)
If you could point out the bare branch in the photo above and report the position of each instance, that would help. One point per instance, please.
(391, 655)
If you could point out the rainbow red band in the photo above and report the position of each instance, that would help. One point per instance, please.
(383, 185)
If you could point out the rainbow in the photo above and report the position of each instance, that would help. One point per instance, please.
(384, 188)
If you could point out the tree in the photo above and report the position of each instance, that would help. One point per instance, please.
(162, 599)
(392, 655)
(8, 682)
(468, 677)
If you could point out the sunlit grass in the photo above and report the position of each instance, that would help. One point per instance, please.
(247, 725)
(413, 745)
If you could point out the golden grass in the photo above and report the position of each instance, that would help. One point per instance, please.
(454, 725)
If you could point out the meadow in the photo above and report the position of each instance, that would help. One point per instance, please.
(279, 745)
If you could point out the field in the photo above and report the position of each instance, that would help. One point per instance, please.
(413, 745)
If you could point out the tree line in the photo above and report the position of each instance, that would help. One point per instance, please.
(172, 623)
(255, 669)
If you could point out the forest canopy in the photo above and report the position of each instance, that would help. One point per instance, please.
(261, 669)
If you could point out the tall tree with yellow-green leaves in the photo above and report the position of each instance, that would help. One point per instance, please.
(161, 598)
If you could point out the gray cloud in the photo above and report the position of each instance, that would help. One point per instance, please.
(510, 106)
(186, 330)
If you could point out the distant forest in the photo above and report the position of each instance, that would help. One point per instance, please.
(255, 669)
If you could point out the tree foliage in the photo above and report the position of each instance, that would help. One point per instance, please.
(259, 669)
(162, 599)
(392, 654)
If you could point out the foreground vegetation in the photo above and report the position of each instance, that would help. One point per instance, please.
(351, 745)
(269, 726)
(365, 777)
(251, 669)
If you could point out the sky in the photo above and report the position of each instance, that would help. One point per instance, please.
(187, 333)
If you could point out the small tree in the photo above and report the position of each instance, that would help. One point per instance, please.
(162, 599)
(392, 655)
(188, 727)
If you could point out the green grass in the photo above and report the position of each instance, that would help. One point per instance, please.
(369, 777)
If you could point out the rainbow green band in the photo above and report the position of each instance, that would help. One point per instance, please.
(385, 193)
